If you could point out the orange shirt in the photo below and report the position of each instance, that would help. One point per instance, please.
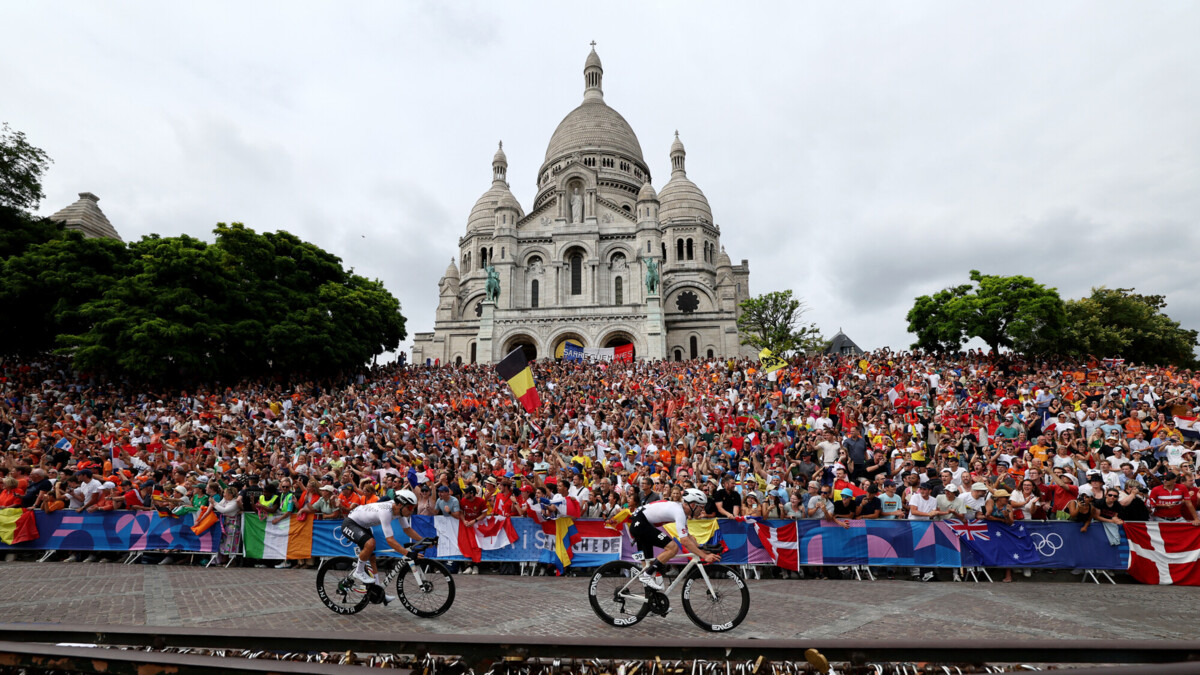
(1133, 427)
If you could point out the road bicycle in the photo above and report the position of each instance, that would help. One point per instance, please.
(423, 586)
(715, 597)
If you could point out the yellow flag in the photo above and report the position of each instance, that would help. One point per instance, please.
(864, 365)
(770, 362)
(702, 530)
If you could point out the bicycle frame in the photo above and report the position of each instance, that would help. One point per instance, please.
(411, 563)
(693, 561)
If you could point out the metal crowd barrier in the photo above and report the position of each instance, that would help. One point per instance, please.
(49, 647)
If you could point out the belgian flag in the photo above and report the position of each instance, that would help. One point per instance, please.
(515, 370)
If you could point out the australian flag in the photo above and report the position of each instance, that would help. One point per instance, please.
(1000, 545)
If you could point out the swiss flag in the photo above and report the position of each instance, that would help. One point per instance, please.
(1164, 553)
(495, 532)
(780, 543)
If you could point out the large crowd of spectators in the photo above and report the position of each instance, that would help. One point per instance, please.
(882, 435)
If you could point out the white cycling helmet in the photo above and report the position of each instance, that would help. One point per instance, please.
(694, 496)
(405, 498)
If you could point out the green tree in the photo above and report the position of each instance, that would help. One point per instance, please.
(21, 169)
(772, 321)
(246, 305)
(1014, 312)
(937, 322)
(1117, 322)
(42, 288)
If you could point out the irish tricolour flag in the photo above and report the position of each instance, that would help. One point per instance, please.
(289, 539)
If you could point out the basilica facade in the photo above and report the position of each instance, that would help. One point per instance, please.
(599, 259)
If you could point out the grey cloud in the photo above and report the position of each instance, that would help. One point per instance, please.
(859, 154)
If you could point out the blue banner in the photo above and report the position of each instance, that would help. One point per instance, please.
(117, 531)
(572, 352)
(895, 543)
(1061, 545)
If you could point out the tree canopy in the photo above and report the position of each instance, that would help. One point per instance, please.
(248, 304)
(21, 169)
(1119, 323)
(1014, 312)
(772, 321)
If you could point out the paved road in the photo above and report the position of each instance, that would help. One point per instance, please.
(286, 599)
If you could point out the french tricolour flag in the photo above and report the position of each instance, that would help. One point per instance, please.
(1188, 426)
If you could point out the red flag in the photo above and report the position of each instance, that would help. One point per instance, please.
(1164, 553)
(781, 544)
(624, 353)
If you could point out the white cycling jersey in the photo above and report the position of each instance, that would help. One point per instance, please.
(658, 513)
(378, 513)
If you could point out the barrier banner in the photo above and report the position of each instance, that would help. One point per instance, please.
(896, 543)
(118, 531)
(596, 546)
(893, 543)
(1060, 545)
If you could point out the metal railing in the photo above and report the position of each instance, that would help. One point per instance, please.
(485, 653)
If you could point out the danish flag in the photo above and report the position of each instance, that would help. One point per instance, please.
(780, 543)
(1164, 553)
(975, 529)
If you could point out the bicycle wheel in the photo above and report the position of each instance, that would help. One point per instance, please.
(725, 607)
(429, 597)
(338, 589)
(605, 594)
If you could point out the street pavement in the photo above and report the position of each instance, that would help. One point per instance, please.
(227, 599)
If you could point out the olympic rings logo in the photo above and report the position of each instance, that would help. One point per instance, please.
(1047, 544)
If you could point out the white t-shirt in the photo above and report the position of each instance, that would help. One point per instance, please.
(580, 494)
(829, 452)
(666, 512)
(919, 503)
(378, 513)
(86, 490)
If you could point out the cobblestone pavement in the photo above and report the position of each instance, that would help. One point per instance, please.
(286, 599)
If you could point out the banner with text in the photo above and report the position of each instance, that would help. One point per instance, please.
(118, 531)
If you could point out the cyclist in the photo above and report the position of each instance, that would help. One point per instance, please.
(645, 533)
(357, 528)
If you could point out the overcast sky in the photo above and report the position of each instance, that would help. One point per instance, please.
(859, 153)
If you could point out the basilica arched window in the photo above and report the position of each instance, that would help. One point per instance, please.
(693, 348)
(689, 253)
(533, 293)
(664, 247)
(678, 249)
(618, 292)
(472, 352)
(678, 354)
(576, 274)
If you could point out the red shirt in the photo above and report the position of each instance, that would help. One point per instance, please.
(1059, 496)
(133, 498)
(472, 508)
(1168, 503)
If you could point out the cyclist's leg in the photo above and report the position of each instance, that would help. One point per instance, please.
(669, 551)
(367, 551)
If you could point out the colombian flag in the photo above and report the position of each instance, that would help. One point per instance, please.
(515, 370)
(566, 535)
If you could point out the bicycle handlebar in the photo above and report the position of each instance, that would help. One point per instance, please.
(423, 544)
